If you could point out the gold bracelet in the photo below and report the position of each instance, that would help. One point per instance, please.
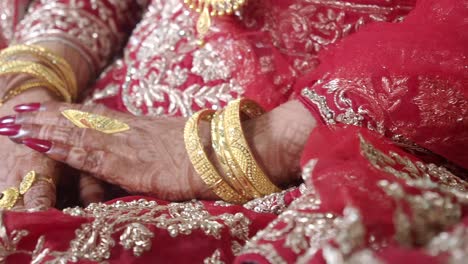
(202, 164)
(239, 147)
(59, 65)
(38, 71)
(234, 174)
(23, 88)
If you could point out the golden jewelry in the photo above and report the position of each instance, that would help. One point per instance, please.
(202, 164)
(24, 87)
(97, 122)
(234, 174)
(211, 8)
(29, 179)
(9, 197)
(239, 148)
(38, 71)
(56, 63)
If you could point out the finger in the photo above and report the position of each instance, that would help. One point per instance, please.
(91, 160)
(79, 137)
(51, 113)
(41, 194)
(91, 189)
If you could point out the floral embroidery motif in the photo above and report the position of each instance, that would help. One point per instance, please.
(136, 222)
(273, 203)
(418, 174)
(434, 209)
(439, 102)
(168, 73)
(161, 83)
(339, 107)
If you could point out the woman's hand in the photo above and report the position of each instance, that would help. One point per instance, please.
(150, 158)
(16, 161)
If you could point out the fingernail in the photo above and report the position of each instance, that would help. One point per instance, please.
(7, 120)
(38, 144)
(27, 107)
(9, 130)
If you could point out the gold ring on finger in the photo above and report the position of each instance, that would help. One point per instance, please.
(97, 122)
(29, 179)
(9, 197)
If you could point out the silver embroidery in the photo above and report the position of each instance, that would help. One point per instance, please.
(214, 259)
(6, 18)
(455, 243)
(94, 240)
(418, 174)
(273, 203)
(160, 74)
(94, 36)
(430, 213)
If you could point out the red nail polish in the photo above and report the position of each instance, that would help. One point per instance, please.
(7, 120)
(27, 107)
(38, 144)
(9, 130)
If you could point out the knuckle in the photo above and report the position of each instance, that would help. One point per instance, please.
(94, 161)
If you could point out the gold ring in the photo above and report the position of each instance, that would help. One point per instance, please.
(9, 197)
(29, 179)
(97, 122)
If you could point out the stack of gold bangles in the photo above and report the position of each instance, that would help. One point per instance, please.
(10, 196)
(244, 178)
(46, 70)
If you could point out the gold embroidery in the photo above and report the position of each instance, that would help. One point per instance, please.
(94, 240)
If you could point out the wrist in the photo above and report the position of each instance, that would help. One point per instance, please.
(33, 95)
(277, 140)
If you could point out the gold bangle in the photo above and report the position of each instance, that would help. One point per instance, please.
(234, 174)
(38, 71)
(58, 64)
(23, 88)
(239, 147)
(202, 164)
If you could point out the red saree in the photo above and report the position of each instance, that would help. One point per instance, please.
(392, 98)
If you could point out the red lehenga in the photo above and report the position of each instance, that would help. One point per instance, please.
(378, 174)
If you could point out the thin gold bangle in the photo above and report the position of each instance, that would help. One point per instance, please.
(38, 71)
(202, 164)
(239, 147)
(58, 64)
(234, 174)
(23, 88)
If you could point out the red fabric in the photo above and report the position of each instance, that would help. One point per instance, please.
(266, 51)
(364, 196)
(409, 80)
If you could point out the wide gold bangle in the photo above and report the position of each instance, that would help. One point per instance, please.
(38, 71)
(202, 164)
(239, 148)
(234, 174)
(56, 63)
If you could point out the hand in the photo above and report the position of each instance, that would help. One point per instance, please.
(150, 158)
(16, 161)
